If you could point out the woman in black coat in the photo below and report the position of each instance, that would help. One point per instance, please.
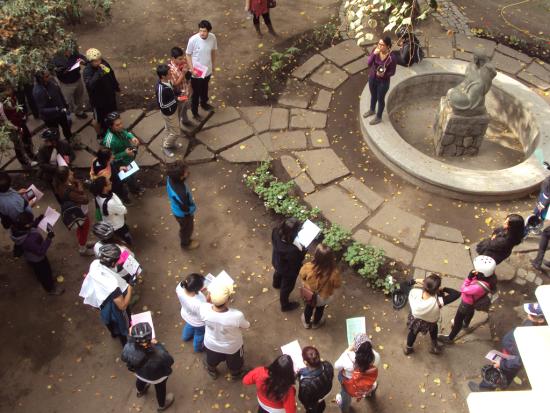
(504, 239)
(315, 380)
(287, 260)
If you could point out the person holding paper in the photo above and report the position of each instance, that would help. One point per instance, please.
(51, 151)
(180, 76)
(321, 277)
(274, 386)
(104, 165)
(189, 292)
(30, 243)
(315, 380)
(223, 338)
(287, 260)
(201, 51)
(12, 202)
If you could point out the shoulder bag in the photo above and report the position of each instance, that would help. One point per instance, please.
(309, 296)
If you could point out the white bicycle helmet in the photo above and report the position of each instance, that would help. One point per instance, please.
(93, 54)
(485, 265)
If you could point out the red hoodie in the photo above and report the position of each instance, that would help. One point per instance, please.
(258, 377)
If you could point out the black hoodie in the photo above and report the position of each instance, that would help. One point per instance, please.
(286, 258)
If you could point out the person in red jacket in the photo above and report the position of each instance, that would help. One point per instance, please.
(274, 386)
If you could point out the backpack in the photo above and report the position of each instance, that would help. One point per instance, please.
(361, 383)
(314, 388)
(71, 213)
(485, 302)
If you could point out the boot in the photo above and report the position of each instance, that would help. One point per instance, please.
(407, 350)
(271, 30)
(258, 31)
(435, 348)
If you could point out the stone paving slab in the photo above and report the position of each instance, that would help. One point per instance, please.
(466, 56)
(224, 136)
(508, 51)
(221, 116)
(530, 244)
(199, 154)
(83, 159)
(391, 250)
(366, 195)
(88, 137)
(34, 124)
(318, 139)
(505, 271)
(443, 257)
(296, 94)
(279, 119)
(145, 158)
(6, 157)
(303, 71)
(322, 165)
(357, 66)
(343, 53)
(258, 116)
(131, 116)
(302, 118)
(78, 124)
(303, 182)
(472, 43)
(396, 223)
(534, 80)
(291, 166)
(149, 127)
(540, 70)
(329, 76)
(280, 141)
(440, 47)
(13, 165)
(338, 207)
(250, 150)
(362, 236)
(507, 64)
(322, 102)
(443, 233)
(156, 148)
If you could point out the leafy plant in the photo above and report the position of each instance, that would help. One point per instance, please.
(336, 237)
(368, 258)
(325, 33)
(280, 59)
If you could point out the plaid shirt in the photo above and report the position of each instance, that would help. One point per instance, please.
(175, 73)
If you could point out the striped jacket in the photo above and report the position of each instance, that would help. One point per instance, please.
(166, 98)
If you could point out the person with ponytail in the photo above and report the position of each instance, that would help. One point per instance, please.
(191, 298)
(274, 386)
(504, 239)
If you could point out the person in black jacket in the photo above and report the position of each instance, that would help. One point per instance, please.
(102, 86)
(168, 105)
(504, 239)
(47, 156)
(410, 51)
(287, 260)
(315, 380)
(150, 362)
(67, 70)
(52, 107)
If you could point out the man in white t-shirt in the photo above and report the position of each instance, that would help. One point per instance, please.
(223, 339)
(201, 59)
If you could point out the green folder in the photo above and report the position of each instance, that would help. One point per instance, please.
(355, 326)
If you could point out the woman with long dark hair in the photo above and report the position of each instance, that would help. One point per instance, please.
(191, 298)
(103, 165)
(504, 239)
(315, 380)
(274, 385)
(287, 259)
(321, 277)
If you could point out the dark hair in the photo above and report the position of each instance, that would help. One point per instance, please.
(281, 378)
(176, 52)
(516, 228)
(103, 156)
(176, 170)
(162, 70)
(193, 282)
(364, 357)
(205, 24)
(387, 41)
(288, 229)
(491, 280)
(24, 220)
(39, 76)
(61, 176)
(432, 283)
(311, 356)
(110, 118)
(323, 261)
(5, 181)
(97, 185)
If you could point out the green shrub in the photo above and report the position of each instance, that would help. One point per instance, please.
(369, 259)
(336, 237)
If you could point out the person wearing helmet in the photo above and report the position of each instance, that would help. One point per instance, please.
(102, 86)
(510, 366)
(150, 362)
(47, 156)
(477, 286)
(223, 339)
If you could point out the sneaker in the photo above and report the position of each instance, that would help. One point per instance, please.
(57, 290)
(192, 246)
(293, 305)
(207, 107)
(547, 263)
(167, 403)
(318, 325)
(407, 350)
(81, 115)
(338, 399)
(238, 376)
(368, 114)
(435, 349)
(306, 325)
(86, 251)
(445, 339)
(142, 393)
(536, 265)
(375, 121)
(168, 152)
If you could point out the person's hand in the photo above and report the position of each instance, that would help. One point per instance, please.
(51, 234)
(123, 169)
(154, 341)
(496, 364)
(377, 51)
(135, 141)
(32, 202)
(22, 190)
(129, 151)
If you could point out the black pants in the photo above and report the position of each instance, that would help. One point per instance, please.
(411, 337)
(543, 244)
(62, 121)
(318, 408)
(186, 229)
(286, 282)
(378, 89)
(463, 316)
(43, 272)
(308, 312)
(234, 361)
(160, 389)
(123, 233)
(267, 19)
(22, 145)
(200, 93)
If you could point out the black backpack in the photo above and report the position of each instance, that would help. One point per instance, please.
(71, 213)
(314, 388)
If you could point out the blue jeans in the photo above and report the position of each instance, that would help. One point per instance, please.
(196, 333)
(378, 89)
(346, 398)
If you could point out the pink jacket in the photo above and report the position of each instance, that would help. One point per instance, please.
(472, 291)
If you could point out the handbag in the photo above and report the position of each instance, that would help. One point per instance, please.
(485, 302)
(309, 296)
(271, 4)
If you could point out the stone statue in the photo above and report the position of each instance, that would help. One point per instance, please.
(469, 96)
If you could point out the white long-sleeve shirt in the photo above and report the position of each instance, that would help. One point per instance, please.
(346, 362)
(116, 210)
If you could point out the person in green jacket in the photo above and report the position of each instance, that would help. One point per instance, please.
(124, 146)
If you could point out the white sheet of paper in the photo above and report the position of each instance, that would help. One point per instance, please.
(355, 326)
(60, 160)
(75, 66)
(38, 194)
(50, 217)
(131, 265)
(132, 169)
(199, 70)
(495, 355)
(307, 234)
(222, 278)
(208, 278)
(294, 350)
(145, 317)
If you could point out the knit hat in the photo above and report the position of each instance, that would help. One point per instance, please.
(359, 340)
(93, 54)
(220, 293)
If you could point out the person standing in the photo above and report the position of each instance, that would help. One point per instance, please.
(102, 86)
(287, 259)
(182, 203)
(168, 105)
(315, 380)
(52, 107)
(223, 339)
(274, 386)
(321, 277)
(104, 165)
(260, 8)
(189, 292)
(12, 202)
(201, 53)
(150, 362)
(67, 70)
(53, 152)
(382, 68)
(180, 76)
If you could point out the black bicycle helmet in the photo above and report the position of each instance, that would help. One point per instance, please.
(50, 134)
(111, 117)
(109, 255)
(141, 332)
(493, 375)
(103, 230)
